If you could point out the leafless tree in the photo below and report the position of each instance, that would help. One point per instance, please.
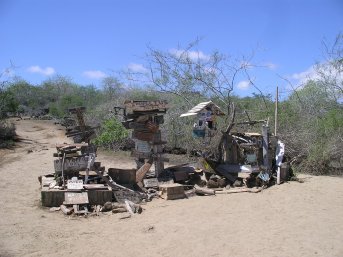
(188, 71)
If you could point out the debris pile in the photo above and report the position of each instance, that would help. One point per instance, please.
(81, 186)
(80, 132)
(248, 159)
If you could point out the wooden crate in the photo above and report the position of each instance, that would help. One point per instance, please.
(54, 198)
(172, 191)
(123, 176)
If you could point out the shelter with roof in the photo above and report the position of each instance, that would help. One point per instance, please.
(206, 113)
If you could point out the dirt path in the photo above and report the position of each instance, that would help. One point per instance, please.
(289, 220)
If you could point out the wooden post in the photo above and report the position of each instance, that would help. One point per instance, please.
(276, 110)
(158, 151)
(265, 146)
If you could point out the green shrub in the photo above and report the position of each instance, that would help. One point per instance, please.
(112, 134)
(7, 134)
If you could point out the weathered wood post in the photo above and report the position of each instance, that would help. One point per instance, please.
(145, 117)
(265, 145)
(158, 151)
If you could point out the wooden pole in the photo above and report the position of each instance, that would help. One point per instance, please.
(276, 110)
(265, 145)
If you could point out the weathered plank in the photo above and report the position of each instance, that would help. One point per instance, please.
(71, 198)
(55, 198)
(71, 164)
(123, 176)
(145, 105)
(241, 190)
(143, 170)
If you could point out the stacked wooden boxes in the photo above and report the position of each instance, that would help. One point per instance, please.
(144, 117)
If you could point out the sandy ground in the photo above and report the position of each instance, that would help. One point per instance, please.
(293, 219)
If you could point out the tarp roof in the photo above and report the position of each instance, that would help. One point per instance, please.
(196, 109)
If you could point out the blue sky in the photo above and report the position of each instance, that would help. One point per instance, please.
(88, 39)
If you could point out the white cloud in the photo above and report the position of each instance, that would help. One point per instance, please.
(243, 85)
(94, 74)
(136, 67)
(271, 66)
(47, 71)
(304, 76)
(193, 55)
(322, 71)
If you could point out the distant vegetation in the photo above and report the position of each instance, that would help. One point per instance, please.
(310, 118)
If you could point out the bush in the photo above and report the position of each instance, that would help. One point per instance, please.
(8, 102)
(7, 134)
(112, 134)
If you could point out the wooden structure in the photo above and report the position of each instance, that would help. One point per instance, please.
(244, 154)
(145, 117)
(206, 113)
(79, 179)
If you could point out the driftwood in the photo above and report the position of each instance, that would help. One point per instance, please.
(241, 190)
(119, 210)
(204, 191)
(143, 170)
(66, 210)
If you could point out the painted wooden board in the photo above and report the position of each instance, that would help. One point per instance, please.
(71, 198)
(71, 164)
(75, 184)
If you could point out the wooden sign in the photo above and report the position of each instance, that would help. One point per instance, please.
(75, 184)
(71, 164)
(71, 198)
(146, 105)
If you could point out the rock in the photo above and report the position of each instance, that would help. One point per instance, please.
(107, 207)
(212, 184)
(222, 182)
(238, 183)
